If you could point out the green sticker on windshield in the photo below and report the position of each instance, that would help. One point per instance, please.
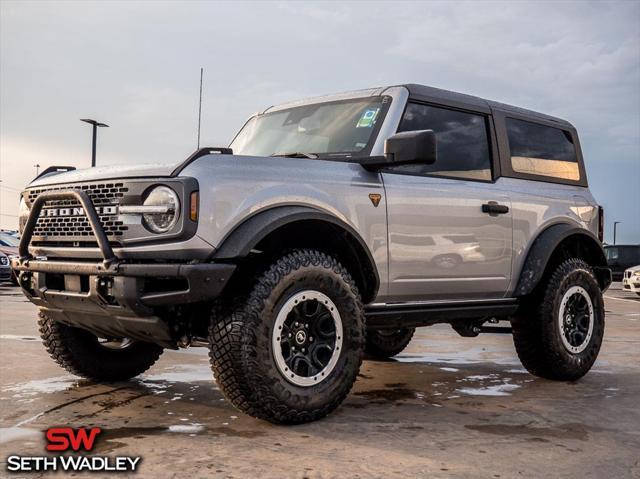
(368, 118)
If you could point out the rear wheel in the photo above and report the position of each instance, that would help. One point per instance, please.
(100, 359)
(290, 351)
(385, 343)
(559, 334)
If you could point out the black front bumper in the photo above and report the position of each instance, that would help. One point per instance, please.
(112, 297)
(124, 300)
(134, 286)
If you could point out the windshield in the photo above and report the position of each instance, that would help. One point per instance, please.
(346, 127)
(8, 240)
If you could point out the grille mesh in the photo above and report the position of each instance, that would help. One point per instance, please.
(101, 194)
(77, 226)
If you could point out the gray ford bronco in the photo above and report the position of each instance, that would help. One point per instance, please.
(329, 228)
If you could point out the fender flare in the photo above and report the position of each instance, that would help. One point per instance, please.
(244, 237)
(544, 247)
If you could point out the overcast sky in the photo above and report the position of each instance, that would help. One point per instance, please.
(136, 67)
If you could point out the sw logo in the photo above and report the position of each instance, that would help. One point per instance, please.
(65, 438)
(77, 442)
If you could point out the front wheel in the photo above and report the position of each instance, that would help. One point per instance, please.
(386, 343)
(290, 351)
(559, 334)
(99, 359)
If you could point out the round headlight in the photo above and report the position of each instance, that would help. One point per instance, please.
(168, 209)
(23, 214)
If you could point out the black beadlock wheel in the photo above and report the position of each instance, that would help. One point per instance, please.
(386, 343)
(290, 350)
(103, 360)
(559, 332)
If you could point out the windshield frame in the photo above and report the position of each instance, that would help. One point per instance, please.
(365, 152)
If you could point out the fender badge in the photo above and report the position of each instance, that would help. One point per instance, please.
(375, 199)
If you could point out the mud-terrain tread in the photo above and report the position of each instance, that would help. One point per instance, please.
(236, 328)
(384, 347)
(535, 334)
(78, 352)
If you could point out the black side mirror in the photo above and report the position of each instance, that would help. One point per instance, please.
(411, 147)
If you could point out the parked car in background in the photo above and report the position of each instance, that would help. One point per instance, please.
(621, 257)
(5, 269)
(13, 233)
(631, 280)
(9, 246)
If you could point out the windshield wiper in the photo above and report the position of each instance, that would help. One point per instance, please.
(296, 154)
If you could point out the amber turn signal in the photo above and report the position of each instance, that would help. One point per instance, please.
(193, 206)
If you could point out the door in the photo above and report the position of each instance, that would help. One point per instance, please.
(449, 223)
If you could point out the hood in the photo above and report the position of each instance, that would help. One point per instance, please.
(114, 172)
(107, 172)
(8, 250)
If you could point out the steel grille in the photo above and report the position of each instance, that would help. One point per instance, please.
(75, 226)
(101, 194)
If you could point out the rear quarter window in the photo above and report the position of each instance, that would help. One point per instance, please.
(542, 150)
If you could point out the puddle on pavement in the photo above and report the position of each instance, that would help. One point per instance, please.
(186, 373)
(155, 382)
(394, 394)
(16, 337)
(490, 385)
(8, 434)
(476, 355)
(494, 384)
(43, 386)
(495, 390)
(110, 437)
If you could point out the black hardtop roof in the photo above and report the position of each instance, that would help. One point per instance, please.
(427, 93)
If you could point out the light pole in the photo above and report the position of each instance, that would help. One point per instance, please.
(95, 134)
(615, 226)
(37, 167)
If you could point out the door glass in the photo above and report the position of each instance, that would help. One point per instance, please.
(463, 142)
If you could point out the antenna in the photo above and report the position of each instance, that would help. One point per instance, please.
(200, 107)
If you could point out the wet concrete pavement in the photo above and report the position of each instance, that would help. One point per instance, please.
(447, 407)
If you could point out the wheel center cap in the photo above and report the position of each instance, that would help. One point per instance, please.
(301, 337)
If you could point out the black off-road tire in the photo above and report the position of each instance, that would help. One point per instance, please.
(79, 352)
(383, 344)
(240, 338)
(536, 331)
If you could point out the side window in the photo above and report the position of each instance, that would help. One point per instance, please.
(463, 142)
(542, 150)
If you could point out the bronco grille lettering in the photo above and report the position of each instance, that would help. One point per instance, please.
(56, 212)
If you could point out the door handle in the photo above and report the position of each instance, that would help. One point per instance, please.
(494, 209)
